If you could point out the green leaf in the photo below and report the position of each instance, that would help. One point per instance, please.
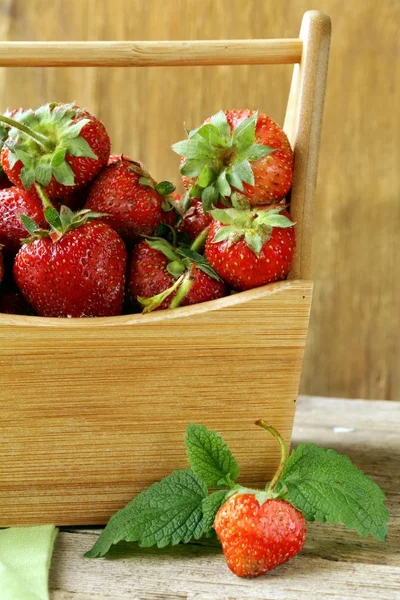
(255, 152)
(209, 457)
(176, 268)
(79, 147)
(244, 171)
(211, 134)
(192, 167)
(222, 235)
(43, 173)
(240, 201)
(27, 176)
(74, 130)
(219, 120)
(184, 203)
(154, 302)
(66, 217)
(210, 507)
(244, 134)
(24, 157)
(164, 247)
(280, 221)
(12, 158)
(169, 512)
(222, 185)
(234, 180)
(326, 486)
(52, 217)
(254, 242)
(3, 134)
(58, 158)
(146, 181)
(206, 176)
(223, 216)
(200, 261)
(197, 148)
(164, 188)
(64, 174)
(28, 223)
(209, 197)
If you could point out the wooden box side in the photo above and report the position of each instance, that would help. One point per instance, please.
(92, 414)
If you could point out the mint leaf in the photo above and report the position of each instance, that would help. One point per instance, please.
(326, 486)
(209, 457)
(169, 512)
(210, 507)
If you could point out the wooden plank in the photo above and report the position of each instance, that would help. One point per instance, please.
(334, 564)
(103, 404)
(150, 54)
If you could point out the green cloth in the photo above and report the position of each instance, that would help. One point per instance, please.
(25, 555)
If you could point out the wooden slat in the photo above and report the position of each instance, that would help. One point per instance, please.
(303, 124)
(150, 54)
(335, 563)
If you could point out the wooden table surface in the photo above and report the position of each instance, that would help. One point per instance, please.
(334, 564)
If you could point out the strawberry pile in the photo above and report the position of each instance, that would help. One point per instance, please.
(87, 234)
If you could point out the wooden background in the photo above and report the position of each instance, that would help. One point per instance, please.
(353, 348)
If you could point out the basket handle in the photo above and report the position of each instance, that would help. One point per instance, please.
(303, 124)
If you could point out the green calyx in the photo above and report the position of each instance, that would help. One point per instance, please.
(219, 159)
(255, 225)
(182, 263)
(60, 222)
(42, 139)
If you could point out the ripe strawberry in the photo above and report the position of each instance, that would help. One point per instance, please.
(60, 146)
(161, 277)
(257, 537)
(249, 248)
(237, 150)
(76, 270)
(129, 195)
(14, 201)
(195, 220)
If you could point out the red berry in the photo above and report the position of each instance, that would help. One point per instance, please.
(81, 274)
(81, 154)
(255, 538)
(14, 201)
(239, 265)
(272, 173)
(194, 221)
(148, 276)
(135, 208)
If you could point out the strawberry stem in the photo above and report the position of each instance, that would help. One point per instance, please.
(199, 242)
(38, 137)
(182, 291)
(284, 452)
(45, 201)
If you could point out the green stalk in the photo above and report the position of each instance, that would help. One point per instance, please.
(38, 137)
(199, 242)
(45, 201)
(284, 452)
(182, 291)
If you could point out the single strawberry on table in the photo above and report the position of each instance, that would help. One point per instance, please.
(77, 269)
(251, 247)
(237, 151)
(160, 276)
(134, 203)
(60, 146)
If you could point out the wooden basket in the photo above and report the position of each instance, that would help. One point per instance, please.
(94, 410)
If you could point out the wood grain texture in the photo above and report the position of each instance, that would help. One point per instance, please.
(353, 345)
(335, 563)
(150, 54)
(94, 411)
